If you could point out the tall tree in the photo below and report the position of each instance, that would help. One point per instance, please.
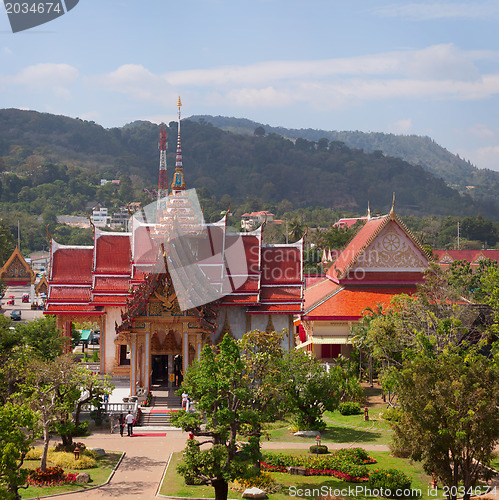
(449, 419)
(222, 398)
(18, 429)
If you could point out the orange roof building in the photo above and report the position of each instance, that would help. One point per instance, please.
(135, 285)
(383, 259)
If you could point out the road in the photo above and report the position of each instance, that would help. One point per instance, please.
(26, 313)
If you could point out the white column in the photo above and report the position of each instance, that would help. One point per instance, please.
(32, 293)
(147, 363)
(185, 359)
(133, 368)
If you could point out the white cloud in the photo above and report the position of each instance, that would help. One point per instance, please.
(480, 130)
(422, 11)
(487, 157)
(43, 75)
(441, 72)
(403, 126)
(7, 51)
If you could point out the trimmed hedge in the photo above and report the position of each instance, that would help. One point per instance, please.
(391, 480)
(321, 450)
(349, 408)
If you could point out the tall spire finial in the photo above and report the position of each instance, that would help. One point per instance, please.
(392, 211)
(178, 178)
(368, 211)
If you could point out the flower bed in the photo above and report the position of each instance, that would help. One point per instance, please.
(346, 464)
(53, 476)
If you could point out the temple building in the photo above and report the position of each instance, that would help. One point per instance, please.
(172, 285)
(383, 259)
(17, 272)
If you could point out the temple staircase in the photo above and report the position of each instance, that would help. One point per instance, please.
(164, 403)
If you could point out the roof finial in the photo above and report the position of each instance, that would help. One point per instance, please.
(178, 177)
(368, 211)
(392, 211)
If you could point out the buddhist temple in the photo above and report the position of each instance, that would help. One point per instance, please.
(383, 259)
(16, 271)
(172, 285)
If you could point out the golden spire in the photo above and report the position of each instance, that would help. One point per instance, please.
(368, 211)
(178, 177)
(392, 210)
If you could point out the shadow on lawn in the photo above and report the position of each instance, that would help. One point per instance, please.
(338, 434)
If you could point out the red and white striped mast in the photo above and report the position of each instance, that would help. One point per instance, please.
(163, 177)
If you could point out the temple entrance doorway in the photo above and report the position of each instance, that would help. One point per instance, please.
(159, 374)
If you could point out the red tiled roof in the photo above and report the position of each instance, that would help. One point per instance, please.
(360, 241)
(349, 302)
(319, 292)
(109, 300)
(467, 255)
(112, 253)
(111, 284)
(69, 294)
(275, 309)
(71, 309)
(276, 294)
(281, 264)
(72, 265)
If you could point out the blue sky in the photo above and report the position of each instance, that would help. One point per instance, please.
(405, 67)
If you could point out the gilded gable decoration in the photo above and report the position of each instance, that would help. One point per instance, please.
(16, 270)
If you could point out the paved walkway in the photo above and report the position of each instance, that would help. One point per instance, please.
(139, 474)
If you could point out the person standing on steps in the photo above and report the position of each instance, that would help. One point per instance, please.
(129, 423)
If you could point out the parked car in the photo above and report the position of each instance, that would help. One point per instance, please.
(11, 300)
(25, 297)
(16, 315)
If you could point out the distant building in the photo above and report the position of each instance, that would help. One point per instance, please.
(446, 257)
(103, 182)
(348, 222)
(100, 217)
(249, 221)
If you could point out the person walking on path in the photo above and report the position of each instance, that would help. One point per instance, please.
(185, 399)
(129, 423)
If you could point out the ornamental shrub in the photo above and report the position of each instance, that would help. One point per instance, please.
(264, 481)
(321, 450)
(390, 479)
(70, 448)
(52, 474)
(349, 408)
(67, 460)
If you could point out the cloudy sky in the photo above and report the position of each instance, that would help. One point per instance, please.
(405, 67)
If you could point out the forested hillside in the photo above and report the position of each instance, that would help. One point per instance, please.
(39, 150)
(417, 150)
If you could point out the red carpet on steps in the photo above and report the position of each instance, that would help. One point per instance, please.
(149, 434)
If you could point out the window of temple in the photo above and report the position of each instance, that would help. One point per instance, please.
(124, 355)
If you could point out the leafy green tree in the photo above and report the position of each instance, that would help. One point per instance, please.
(449, 416)
(223, 410)
(18, 429)
(311, 389)
(48, 389)
(264, 368)
(42, 336)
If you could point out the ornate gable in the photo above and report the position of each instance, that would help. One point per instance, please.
(391, 250)
(16, 270)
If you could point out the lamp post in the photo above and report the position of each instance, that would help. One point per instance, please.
(318, 441)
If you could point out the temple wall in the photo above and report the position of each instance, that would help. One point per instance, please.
(112, 316)
(239, 323)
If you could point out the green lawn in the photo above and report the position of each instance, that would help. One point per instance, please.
(173, 484)
(340, 429)
(98, 475)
